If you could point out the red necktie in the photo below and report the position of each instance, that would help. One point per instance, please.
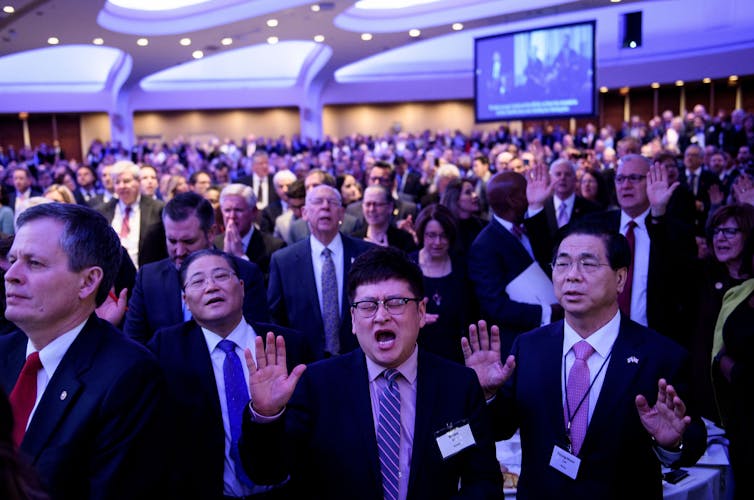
(125, 228)
(624, 299)
(24, 395)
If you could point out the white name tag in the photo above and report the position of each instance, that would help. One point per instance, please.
(565, 462)
(455, 440)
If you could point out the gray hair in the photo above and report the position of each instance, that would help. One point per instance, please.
(242, 190)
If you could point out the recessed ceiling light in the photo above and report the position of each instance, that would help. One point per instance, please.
(315, 7)
(53, 40)
(366, 36)
(142, 42)
(197, 54)
(9, 9)
(707, 80)
(319, 38)
(632, 44)
(185, 42)
(98, 41)
(603, 90)
(414, 33)
(614, 1)
(272, 23)
(457, 26)
(679, 83)
(655, 85)
(272, 40)
(733, 78)
(227, 41)
(624, 90)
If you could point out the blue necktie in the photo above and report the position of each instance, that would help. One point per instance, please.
(330, 314)
(389, 435)
(236, 397)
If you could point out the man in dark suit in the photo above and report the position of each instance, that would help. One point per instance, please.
(373, 423)
(192, 357)
(260, 180)
(135, 218)
(382, 173)
(281, 181)
(597, 397)
(19, 197)
(86, 190)
(296, 289)
(156, 299)
(698, 179)
(564, 206)
(508, 258)
(87, 401)
(239, 208)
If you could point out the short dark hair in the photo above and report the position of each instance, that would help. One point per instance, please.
(184, 205)
(297, 190)
(616, 245)
(87, 239)
(383, 263)
(443, 216)
(204, 253)
(194, 177)
(385, 165)
(742, 213)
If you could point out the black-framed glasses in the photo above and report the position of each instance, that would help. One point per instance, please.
(393, 305)
(728, 232)
(200, 281)
(584, 265)
(632, 178)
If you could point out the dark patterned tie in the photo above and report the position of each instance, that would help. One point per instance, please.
(389, 435)
(330, 314)
(624, 298)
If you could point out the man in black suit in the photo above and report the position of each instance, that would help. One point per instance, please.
(297, 274)
(373, 423)
(86, 191)
(24, 190)
(87, 401)
(597, 397)
(135, 218)
(192, 357)
(281, 181)
(564, 206)
(260, 180)
(156, 300)
(698, 179)
(239, 208)
(382, 173)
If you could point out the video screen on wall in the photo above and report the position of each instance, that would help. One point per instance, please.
(540, 73)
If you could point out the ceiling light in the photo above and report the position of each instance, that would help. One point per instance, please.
(53, 40)
(227, 41)
(366, 36)
(457, 26)
(603, 90)
(733, 78)
(98, 41)
(272, 23)
(319, 38)
(185, 42)
(197, 54)
(142, 42)
(614, 1)
(272, 40)
(679, 83)
(315, 7)
(624, 90)
(655, 85)
(414, 33)
(9, 9)
(707, 80)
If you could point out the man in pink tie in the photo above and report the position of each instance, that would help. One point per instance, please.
(596, 396)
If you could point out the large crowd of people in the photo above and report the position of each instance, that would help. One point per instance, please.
(638, 241)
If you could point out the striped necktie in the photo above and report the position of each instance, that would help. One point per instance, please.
(389, 435)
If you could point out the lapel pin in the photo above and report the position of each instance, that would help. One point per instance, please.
(632, 359)
(63, 395)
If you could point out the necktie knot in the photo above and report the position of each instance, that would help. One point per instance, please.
(390, 375)
(518, 230)
(327, 253)
(227, 346)
(583, 350)
(632, 224)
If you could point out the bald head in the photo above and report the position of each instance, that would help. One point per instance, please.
(506, 193)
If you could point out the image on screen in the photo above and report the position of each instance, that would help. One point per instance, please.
(539, 73)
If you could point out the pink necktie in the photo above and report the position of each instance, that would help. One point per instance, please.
(577, 392)
(125, 228)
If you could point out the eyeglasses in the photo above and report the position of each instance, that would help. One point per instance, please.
(200, 281)
(436, 236)
(633, 178)
(394, 305)
(584, 265)
(333, 202)
(728, 232)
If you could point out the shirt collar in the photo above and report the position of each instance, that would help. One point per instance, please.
(601, 340)
(242, 335)
(568, 201)
(335, 246)
(122, 206)
(52, 354)
(505, 223)
(407, 368)
(641, 219)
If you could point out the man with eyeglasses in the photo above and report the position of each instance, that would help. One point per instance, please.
(386, 421)
(383, 174)
(378, 207)
(663, 247)
(207, 383)
(600, 401)
(307, 279)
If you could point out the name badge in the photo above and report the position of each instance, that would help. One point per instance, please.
(454, 439)
(565, 462)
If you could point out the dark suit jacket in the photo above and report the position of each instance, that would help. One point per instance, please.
(260, 249)
(268, 216)
(95, 431)
(581, 207)
(151, 233)
(706, 180)
(249, 181)
(292, 293)
(156, 299)
(396, 238)
(617, 459)
(402, 210)
(35, 191)
(326, 438)
(197, 463)
(349, 226)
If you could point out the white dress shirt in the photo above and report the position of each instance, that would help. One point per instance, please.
(130, 242)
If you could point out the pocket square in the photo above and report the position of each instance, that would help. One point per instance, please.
(632, 359)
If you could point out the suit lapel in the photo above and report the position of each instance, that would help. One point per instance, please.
(551, 378)
(13, 360)
(198, 357)
(303, 261)
(256, 246)
(357, 390)
(427, 394)
(170, 280)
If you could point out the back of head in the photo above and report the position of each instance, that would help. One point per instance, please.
(381, 264)
(502, 188)
(184, 205)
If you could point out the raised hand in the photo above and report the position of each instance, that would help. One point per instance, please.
(658, 189)
(716, 196)
(743, 188)
(114, 307)
(538, 187)
(270, 385)
(232, 243)
(666, 421)
(481, 352)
